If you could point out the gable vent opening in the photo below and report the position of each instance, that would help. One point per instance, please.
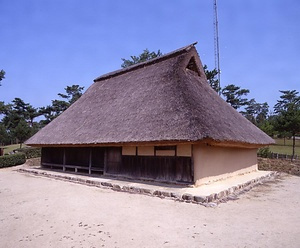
(193, 66)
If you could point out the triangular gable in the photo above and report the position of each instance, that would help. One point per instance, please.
(192, 65)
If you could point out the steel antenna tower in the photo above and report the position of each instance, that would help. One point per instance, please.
(216, 45)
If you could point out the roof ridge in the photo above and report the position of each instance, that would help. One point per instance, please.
(143, 64)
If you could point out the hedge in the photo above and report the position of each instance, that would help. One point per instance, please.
(12, 160)
(30, 152)
(264, 152)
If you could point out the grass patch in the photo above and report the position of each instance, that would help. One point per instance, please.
(287, 142)
(284, 149)
(279, 147)
(10, 148)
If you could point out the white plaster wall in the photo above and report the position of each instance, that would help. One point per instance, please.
(165, 153)
(128, 150)
(184, 150)
(146, 150)
(216, 163)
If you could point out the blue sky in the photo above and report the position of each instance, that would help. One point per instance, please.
(46, 45)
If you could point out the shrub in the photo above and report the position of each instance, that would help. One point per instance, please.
(30, 152)
(264, 152)
(12, 160)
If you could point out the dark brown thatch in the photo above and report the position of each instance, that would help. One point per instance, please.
(166, 99)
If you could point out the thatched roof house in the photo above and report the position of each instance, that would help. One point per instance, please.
(138, 117)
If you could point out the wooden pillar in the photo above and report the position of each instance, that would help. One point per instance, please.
(64, 159)
(192, 163)
(105, 161)
(90, 161)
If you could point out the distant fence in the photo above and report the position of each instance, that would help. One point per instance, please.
(283, 156)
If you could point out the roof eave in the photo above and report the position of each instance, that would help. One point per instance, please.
(206, 141)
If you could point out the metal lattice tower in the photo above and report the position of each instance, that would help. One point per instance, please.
(216, 44)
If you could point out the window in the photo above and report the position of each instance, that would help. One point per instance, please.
(165, 151)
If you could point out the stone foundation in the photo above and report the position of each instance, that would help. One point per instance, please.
(208, 200)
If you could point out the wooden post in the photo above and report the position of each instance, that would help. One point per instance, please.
(192, 163)
(64, 160)
(90, 162)
(105, 161)
(294, 144)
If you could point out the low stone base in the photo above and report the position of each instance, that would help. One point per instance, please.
(210, 200)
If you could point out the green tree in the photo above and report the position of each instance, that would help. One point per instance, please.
(50, 112)
(212, 78)
(11, 117)
(16, 111)
(31, 114)
(256, 112)
(144, 56)
(262, 113)
(20, 107)
(59, 106)
(3, 107)
(15, 115)
(22, 131)
(73, 93)
(268, 126)
(2, 76)
(288, 114)
(235, 96)
(4, 136)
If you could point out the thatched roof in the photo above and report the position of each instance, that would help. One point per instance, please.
(166, 100)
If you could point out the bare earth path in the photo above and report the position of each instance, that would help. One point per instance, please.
(43, 212)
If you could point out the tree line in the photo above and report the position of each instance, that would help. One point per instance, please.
(21, 120)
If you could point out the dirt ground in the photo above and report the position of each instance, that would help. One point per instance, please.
(43, 212)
